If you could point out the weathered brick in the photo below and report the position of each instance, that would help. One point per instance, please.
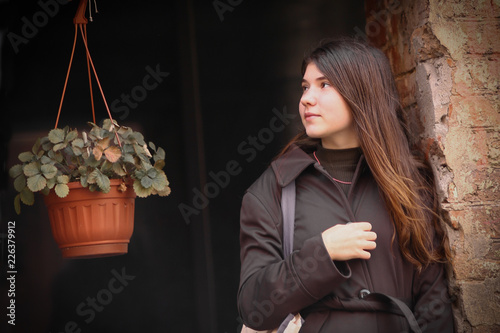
(480, 301)
(476, 111)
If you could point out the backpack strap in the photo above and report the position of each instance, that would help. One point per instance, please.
(288, 212)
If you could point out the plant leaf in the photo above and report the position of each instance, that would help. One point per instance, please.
(152, 146)
(20, 183)
(160, 181)
(160, 154)
(17, 204)
(166, 191)
(104, 143)
(16, 170)
(31, 169)
(27, 197)
(36, 146)
(36, 183)
(56, 135)
(50, 185)
(49, 171)
(97, 152)
(72, 135)
(63, 179)
(146, 182)
(61, 190)
(128, 158)
(103, 182)
(141, 191)
(118, 169)
(113, 154)
(77, 143)
(160, 164)
(26, 156)
(59, 146)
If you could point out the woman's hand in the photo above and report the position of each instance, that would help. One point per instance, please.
(349, 241)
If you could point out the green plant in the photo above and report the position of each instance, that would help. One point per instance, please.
(107, 152)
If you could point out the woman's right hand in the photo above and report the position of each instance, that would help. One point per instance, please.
(349, 241)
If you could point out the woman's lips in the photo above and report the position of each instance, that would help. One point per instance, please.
(310, 115)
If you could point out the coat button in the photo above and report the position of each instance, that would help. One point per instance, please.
(363, 293)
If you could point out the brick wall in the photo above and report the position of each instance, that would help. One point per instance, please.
(446, 60)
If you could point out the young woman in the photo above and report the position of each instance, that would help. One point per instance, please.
(369, 251)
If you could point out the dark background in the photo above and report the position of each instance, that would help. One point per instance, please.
(228, 69)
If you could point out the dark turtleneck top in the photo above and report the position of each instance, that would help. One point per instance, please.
(339, 163)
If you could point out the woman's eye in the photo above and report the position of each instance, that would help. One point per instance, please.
(304, 88)
(325, 84)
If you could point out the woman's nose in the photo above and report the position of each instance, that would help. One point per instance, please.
(308, 98)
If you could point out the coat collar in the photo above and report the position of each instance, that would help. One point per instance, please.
(291, 164)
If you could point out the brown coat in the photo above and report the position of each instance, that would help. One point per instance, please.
(271, 288)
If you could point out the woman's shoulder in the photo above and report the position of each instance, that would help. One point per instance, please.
(281, 172)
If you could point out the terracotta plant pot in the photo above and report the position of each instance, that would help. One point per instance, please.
(92, 224)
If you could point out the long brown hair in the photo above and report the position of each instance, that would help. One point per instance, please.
(362, 75)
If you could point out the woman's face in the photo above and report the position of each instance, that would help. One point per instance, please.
(324, 112)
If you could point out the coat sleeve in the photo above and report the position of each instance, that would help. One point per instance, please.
(432, 300)
(271, 287)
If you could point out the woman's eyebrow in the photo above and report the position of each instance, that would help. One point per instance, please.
(320, 78)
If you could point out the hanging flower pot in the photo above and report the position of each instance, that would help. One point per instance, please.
(92, 224)
(90, 182)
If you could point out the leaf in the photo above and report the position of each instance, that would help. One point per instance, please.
(82, 170)
(36, 183)
(50, 184)
(17, 204)
(27, 197)
(146, 182)
(152, 146)
(113, 154)
(97, 151)
(49, 171)
(56, 135)
(31, 169)
(26, 156)
(78, 143)
(16, 170)
(46, 160)
(128, 158)
(61, 190)
(166, 191)
(103, 182)
(20, 183)
(63, 179)
(46, 190)
(36, 146)
(47, 146)
(104, 143)
(160, 164)
(84, 181)
(118, 169)
(160, 154)
(152, 173)
(70, 137)
(59, 146)
(77, 151)
(141, 191)
(160, 182)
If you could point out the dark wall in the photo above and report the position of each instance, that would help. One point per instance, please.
(232, 67)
